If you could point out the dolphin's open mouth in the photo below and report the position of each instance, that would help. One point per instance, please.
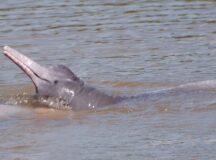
(31, 68)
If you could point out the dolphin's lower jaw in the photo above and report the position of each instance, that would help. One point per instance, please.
(31, 68)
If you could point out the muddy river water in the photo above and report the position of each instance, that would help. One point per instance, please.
(122, 47)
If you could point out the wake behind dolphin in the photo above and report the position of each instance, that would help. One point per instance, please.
(58, 87)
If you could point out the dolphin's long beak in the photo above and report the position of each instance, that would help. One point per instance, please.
(32, 69)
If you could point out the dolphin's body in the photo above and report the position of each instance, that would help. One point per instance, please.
(57, 86)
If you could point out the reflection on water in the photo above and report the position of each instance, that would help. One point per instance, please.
(121, 47)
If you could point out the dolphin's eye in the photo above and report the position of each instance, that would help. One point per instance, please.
(56, 81)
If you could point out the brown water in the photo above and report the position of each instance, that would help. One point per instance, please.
(121, 47)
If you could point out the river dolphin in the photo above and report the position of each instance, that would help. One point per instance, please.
(58, 87)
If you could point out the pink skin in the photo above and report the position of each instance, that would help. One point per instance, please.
(35, 72)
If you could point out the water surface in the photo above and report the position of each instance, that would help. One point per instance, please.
(121, 47)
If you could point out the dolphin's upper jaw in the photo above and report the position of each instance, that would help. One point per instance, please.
(31, 68)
